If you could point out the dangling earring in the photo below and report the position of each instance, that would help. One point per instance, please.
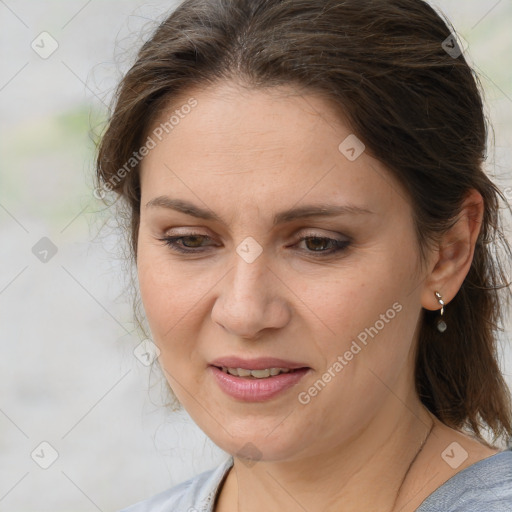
(441, 324)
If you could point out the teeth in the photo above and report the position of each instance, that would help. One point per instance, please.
(257, 374)
(260, 374)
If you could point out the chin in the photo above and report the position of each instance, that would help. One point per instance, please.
(254, 445)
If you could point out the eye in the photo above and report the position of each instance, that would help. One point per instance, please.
(316, 245)
(186, 243)
(323, 246)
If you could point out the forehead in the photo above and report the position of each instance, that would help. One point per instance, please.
(230, 119)
(275, 141)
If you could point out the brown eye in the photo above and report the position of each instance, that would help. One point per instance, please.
(316, 243)
(186, 243)
(196, 240)
(324, 246)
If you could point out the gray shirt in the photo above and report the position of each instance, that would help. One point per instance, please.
(485, 486)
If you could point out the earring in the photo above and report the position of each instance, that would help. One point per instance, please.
(441, 324)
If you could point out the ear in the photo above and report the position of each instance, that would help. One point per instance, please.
(452, 259)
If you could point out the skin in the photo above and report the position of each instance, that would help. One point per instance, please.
(246, 155)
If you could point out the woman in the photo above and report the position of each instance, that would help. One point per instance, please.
(315, 246)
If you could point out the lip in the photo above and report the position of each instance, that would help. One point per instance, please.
(256, 390)
(260, 363)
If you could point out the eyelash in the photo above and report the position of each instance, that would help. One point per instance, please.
(171, 242)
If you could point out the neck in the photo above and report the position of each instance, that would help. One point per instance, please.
(367, 471)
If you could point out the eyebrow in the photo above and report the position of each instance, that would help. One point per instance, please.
(306, 211)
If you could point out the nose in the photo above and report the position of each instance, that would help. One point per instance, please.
(251, 298)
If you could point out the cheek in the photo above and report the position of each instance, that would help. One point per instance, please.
(352, 300)
(177, 299)
(168, 292)
(368, 320)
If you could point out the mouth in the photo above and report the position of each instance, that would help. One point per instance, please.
(245, 383)
(257, 374)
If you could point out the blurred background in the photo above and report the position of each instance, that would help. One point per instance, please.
(83, 425)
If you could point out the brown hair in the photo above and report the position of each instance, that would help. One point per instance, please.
(416, 105)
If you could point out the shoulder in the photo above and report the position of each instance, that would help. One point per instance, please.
(196, 494)
(485, 485)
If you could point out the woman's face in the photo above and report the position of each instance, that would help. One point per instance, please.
(238, 183)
